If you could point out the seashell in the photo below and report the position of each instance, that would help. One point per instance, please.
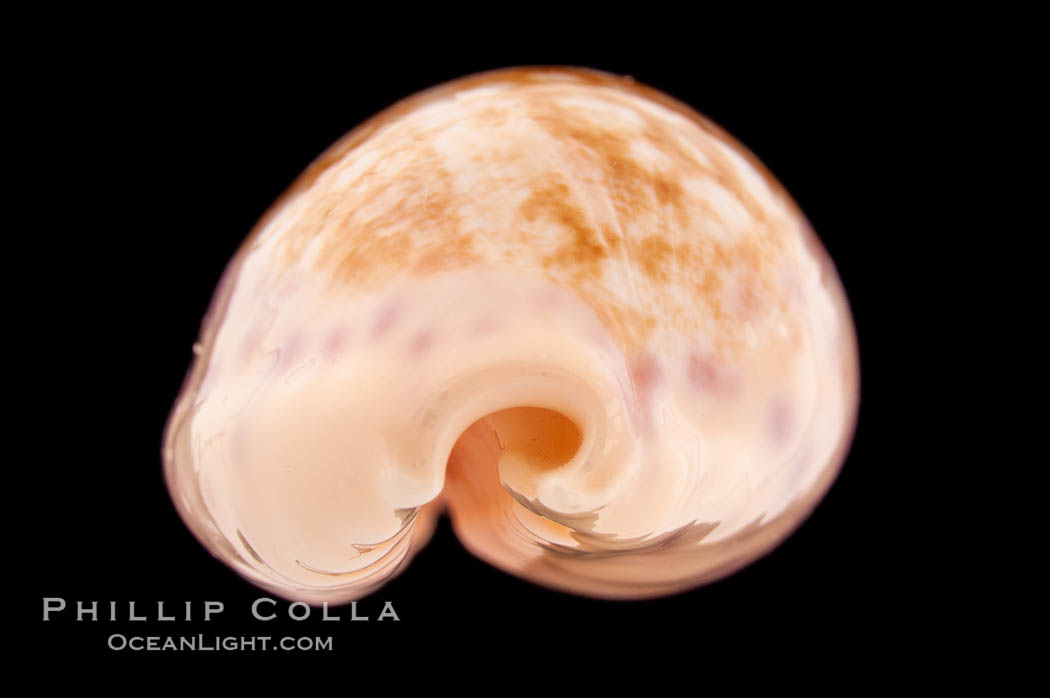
(558, 304)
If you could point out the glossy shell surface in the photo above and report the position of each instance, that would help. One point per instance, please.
(561, 306)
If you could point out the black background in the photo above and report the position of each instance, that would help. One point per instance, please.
(157, 163)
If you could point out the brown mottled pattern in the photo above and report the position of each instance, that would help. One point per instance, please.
(583, 251)
(627, 235)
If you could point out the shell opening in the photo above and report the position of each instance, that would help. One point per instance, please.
(536, 438)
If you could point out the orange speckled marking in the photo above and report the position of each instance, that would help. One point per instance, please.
(632, 188)
(584, 250)
(406, 213)
(654, 256)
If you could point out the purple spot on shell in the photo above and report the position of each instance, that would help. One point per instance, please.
(486, 324)
(712, 380)
(702, 373)
(385, 320)
(422, 342)
(645, 374)
(780, 420)
(334, 341)
(252, 342)
(291, 350)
